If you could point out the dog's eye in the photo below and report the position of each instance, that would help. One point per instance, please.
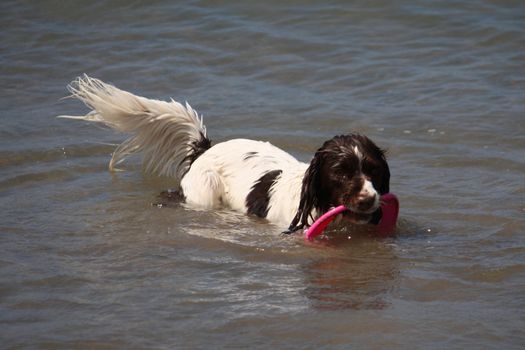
(337, 175)
(375, 172)
(371, 168)
(369, 165)
(344, 175)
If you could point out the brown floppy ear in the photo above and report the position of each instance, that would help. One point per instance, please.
(380, 155)
(385, 175)
(309, 193)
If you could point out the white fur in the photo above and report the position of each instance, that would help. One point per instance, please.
(368, 190)
(286, 194)
(162, 131)
(358, 153)
(222, 176)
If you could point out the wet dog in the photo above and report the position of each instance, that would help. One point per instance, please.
(250, 176)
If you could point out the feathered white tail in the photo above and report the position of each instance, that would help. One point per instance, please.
(170, 135)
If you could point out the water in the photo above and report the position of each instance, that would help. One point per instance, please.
(88, 262)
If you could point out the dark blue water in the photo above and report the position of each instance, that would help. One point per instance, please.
(88, 262)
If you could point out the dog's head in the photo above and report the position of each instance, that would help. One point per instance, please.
(348, 170)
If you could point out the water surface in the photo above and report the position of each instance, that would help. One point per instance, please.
(88, 262)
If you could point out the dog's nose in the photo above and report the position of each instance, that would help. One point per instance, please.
(367, 203)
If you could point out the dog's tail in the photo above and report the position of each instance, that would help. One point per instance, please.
(170, 135)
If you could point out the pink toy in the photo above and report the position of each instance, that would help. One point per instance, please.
(386, 225)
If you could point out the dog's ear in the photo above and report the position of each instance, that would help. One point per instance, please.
(385, 175)
(380, 156)
(309, 193)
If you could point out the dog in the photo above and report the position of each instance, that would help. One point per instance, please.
(253, 177)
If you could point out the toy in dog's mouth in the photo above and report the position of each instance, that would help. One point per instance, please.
(385, 218)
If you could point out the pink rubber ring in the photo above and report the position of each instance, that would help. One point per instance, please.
(389, 209)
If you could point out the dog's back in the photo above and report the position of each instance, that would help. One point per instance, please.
(244, 175)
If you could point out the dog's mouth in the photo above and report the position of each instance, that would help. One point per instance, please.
(385, 217)
(360, 207)
(356, 217)
(363, 214)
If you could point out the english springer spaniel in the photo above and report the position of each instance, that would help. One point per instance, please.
(249, 176)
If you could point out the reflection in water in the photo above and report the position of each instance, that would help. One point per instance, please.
(359, 277)
(339, 273)
(353, 269)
